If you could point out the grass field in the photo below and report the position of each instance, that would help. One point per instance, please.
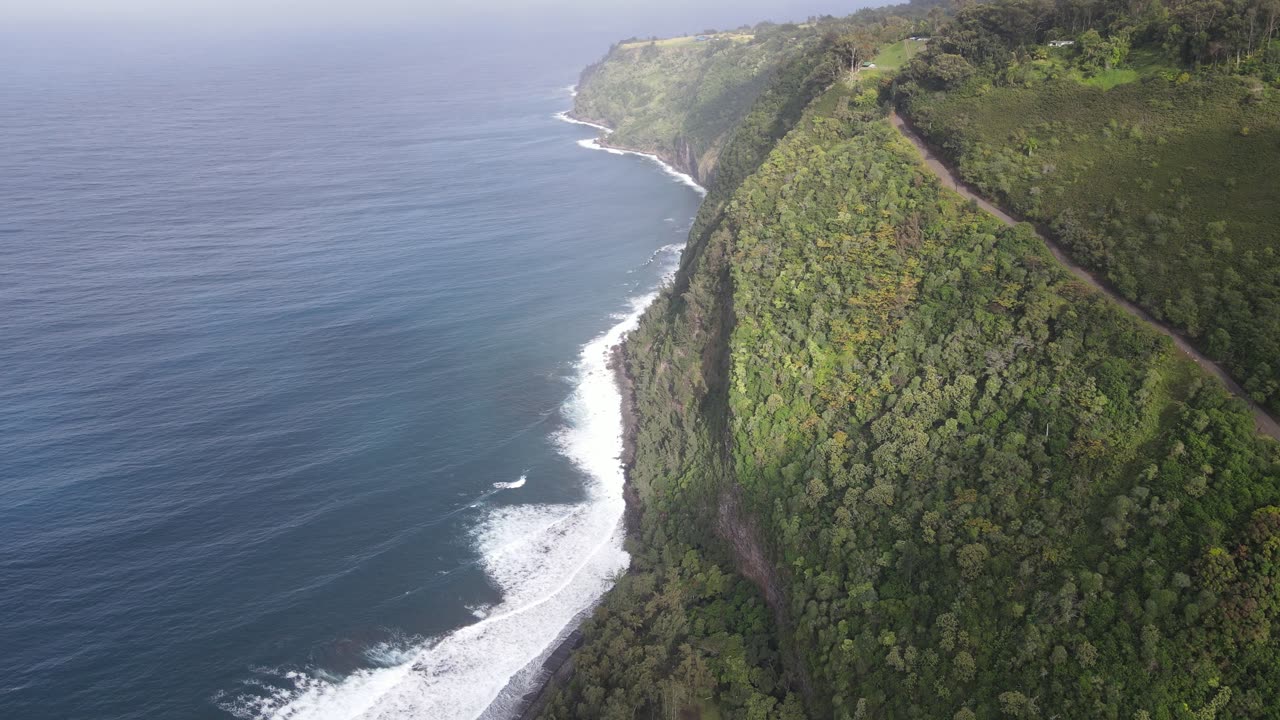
(687, 40)
(892, 57)
(1062, 64)
(1108, 79)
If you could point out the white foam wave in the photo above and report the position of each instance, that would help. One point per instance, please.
(513, 484)
(551, 562)
(389, 655)
(566, 117)
(671, 250)
(595, 144)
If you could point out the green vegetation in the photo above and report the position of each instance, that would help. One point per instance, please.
(893, 461)
(687, 40)
(1160, 177)
(683, 631)
(892, 57)
(681, 98)
(1107, 79)
(976, 472)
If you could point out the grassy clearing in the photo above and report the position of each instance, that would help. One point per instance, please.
(1061, 64)
(687, 40)
(1108, 79)
(1142, 64)
(892, 57)
(1148, 62)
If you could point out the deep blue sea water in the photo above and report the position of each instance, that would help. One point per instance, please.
(280, 320)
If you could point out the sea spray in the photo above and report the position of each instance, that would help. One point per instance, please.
(514, 484)
(566, 117)
(595, 144)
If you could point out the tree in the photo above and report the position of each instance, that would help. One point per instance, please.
(947, 72)
(971, 559)
(1094, 50)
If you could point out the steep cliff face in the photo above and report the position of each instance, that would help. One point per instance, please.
(687, 160)
(679, 154)
(694, 553)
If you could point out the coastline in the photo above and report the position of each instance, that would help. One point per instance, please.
(555, 670)
(681, 168)
(630, 422)
(618, 363)
(557, 665)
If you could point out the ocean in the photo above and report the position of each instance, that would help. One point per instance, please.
(304, 403)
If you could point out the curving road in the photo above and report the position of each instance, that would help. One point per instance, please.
(1265, 423)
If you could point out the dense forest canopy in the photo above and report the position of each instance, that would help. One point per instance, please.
(1148, 155)
(1198, 32)
(892, 460)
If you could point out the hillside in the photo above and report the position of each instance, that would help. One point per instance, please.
(1159, 176)
(893, 460)
(680, 98)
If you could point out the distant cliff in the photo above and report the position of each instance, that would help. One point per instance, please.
(680, 98)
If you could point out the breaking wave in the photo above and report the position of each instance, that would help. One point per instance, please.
(511, 485)
(595, 144)
(551, 562)
(564, 116)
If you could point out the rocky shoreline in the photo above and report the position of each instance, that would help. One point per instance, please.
(555, 670)
(558, 666)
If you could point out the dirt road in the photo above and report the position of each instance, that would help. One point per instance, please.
(1266, 424)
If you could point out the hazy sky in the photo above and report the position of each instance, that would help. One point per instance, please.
(638, 16)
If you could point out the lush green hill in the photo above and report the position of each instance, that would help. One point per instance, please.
(978, 474)
(893, 461)
(1166, 182)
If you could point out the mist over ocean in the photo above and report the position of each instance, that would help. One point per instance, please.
(303, 399)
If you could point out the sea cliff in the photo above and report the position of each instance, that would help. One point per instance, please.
(680, 98)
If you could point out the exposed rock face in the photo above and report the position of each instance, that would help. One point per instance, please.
(686, 161)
